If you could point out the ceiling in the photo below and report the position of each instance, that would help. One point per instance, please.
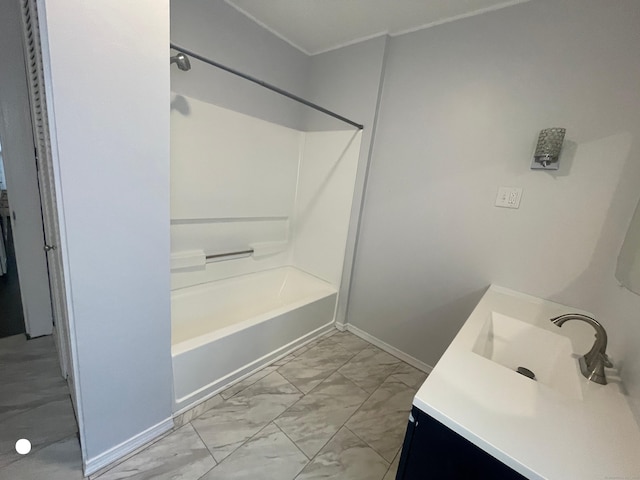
(316, 26)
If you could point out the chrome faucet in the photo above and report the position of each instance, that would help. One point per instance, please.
(593, 362)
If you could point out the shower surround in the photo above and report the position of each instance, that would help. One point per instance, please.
(240, 183)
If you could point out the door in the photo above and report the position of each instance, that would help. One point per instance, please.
(46, 181)
(16, 135)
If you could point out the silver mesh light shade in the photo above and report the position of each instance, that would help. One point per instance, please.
(549, 145)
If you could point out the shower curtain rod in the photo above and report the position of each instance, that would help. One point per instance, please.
(266, 85)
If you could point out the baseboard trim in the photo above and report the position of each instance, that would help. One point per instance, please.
(414, 362)
(114, 454)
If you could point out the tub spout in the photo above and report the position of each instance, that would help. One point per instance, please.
(593, 362)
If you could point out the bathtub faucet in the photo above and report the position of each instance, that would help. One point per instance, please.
(593, 362)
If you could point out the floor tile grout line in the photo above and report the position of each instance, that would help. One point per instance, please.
(130, 455)
(354, 413)
(392, 461)
(314, 388)
(367, 444)
(302, 395)
(205, 446)
(344, 424)
(250, 385)
(323, 447)
(295, 444)
(62, 396)
(36, 449)
(370, 395)
(41, 447)
(308, 346)
(239, 446)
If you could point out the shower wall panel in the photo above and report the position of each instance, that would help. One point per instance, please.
(326, 182)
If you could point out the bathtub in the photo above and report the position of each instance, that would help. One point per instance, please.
(222, 331)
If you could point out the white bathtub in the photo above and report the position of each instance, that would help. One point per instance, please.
(223, 330)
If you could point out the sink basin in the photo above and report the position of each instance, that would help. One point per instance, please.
(513, 343)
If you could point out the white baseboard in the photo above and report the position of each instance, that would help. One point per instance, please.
(414, 362)
(114, 454)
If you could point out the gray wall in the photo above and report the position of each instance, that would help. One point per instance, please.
(110, 91)
(461, 109)
(217, 31)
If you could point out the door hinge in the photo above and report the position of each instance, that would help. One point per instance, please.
(48, 248)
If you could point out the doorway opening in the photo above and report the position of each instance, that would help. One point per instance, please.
(11, 317)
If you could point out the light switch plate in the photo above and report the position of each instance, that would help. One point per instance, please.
(509, 197)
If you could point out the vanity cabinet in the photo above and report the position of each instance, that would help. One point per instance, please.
(433, 451)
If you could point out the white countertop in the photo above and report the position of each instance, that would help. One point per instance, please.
(537, 430)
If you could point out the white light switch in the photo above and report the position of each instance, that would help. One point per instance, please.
(509, 197)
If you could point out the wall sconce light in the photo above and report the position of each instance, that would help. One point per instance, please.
(548, 149)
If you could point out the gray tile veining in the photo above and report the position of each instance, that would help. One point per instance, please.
(196, 411)
(35, 404)
(345, 457)
(338, 401)
(42, 426)
(369, 368)
(382, 420)
(283, 360)
(182, 454)
(393, 468)
(228, 425)
(30, 376)
(314, 365)
(269, 455)
(250, 380)
(349, 341)
(58, 461)
(316, 417)
(410, 376)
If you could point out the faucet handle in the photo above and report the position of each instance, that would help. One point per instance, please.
(605, 360)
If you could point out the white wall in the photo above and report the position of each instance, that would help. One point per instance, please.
(461, 110)
(216, 30)
(109, 75)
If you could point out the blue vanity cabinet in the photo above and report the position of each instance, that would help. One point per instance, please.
(433, 451)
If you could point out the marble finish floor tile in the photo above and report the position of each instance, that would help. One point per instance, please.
(316, 417)
(369, 368)
(313, 366)
(58, 461)
(30, 375)
(250, 380)
(228, 425)
(382, 420)
(283, 360)
(349, 341)
(182, 454)
(410, 376)
(345, 457)
(42, 425)
(269, 455)
(196, 411)
(393, 469)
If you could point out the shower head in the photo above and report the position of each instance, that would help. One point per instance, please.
(182, 61)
